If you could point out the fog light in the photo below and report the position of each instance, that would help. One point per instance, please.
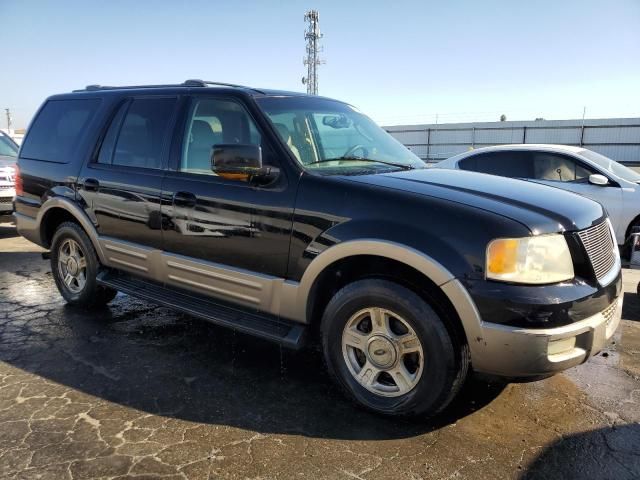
(561, 346)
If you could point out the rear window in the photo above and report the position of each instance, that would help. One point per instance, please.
(56, 131)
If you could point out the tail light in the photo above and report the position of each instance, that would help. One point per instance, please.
(18, 182)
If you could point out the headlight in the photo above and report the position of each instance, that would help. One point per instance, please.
(534, 260)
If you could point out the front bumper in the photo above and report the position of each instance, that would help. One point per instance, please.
(521, 352)
(517, 352)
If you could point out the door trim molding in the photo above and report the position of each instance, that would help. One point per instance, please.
(269, 294)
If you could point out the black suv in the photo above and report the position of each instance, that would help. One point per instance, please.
(296, 218)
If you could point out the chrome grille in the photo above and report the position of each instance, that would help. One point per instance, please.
(600, 246)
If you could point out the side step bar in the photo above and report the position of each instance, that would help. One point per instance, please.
(287, 334)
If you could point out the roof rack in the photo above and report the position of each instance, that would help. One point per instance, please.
(186, 83)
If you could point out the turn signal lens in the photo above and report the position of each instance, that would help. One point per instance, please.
(502, 256)
(533, 260)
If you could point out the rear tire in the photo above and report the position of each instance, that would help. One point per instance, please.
(390, 351)
(75, 265)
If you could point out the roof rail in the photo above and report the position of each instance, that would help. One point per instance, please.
(186, 83)
(206, 83)
(91, 88)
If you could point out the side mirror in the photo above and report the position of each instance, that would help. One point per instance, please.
(240, 162)
(336, 121)
(597, 179)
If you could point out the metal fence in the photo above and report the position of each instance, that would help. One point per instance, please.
(617, 138)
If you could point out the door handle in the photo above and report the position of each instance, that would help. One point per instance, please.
(184, 199)
(91, 184)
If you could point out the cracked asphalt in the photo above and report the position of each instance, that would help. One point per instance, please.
(139, 391)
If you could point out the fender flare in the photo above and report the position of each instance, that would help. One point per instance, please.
(381, 248)
(78, 214)
(428, 266)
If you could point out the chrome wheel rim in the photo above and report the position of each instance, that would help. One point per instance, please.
(382, 351)
(72, 265)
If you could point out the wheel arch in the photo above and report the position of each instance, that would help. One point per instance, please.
(370, 258)
(57, 210)
(635, 221)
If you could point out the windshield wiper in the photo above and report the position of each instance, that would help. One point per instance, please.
(360, 159)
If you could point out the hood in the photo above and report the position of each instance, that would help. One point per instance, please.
(541, 208)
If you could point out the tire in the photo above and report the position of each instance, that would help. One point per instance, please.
(626, 248)
(70, 240)
(433, 374)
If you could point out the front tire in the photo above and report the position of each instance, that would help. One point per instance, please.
(75, 265)
(390, 351)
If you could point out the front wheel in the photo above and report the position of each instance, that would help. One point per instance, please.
(74, 265)
(390, 351)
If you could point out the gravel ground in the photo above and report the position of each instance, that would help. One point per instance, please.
(139, 391)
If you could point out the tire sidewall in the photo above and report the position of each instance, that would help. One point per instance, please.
(72, 231)
(440, 366)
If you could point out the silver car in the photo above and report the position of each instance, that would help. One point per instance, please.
(8, 157)
(576, 169)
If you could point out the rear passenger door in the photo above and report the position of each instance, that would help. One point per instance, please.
(121, 185)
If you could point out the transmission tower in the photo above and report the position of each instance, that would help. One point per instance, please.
(312, 35)
(8, 113)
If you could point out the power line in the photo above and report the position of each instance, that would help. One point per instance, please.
(312, 35)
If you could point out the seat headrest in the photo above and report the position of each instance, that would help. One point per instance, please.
(201, 129)
(283, 131)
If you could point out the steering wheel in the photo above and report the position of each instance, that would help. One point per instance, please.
(351, 151)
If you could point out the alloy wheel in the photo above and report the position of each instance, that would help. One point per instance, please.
(382, 352)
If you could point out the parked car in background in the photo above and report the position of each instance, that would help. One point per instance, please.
(295, 217)
(8, 157)
(575, 169)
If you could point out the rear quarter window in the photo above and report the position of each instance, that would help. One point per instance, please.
(58, 128)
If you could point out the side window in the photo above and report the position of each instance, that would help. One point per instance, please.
(56, 131)
(583, 172)
(560, 168)
(141, 136)
(468, 163)
(506, 164)
(292, 130)
(216, 121)
(109, 142)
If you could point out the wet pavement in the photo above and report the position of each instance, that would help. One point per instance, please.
(139, 391)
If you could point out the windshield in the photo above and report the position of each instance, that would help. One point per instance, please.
(611, 166)
(7, 147)
(332, 138)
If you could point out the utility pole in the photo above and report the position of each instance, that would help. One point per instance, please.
(8, 112)
(584, 112)
(312, 35)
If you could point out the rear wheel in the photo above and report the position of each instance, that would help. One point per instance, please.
(74, 265)
(390, 351)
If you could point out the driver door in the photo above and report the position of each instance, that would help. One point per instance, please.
(217, 222)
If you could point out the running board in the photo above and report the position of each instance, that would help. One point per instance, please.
(269, 327)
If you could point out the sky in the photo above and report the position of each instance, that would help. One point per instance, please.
(401, 62)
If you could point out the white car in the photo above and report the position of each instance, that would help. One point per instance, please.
(576, 169)
(8, 156)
